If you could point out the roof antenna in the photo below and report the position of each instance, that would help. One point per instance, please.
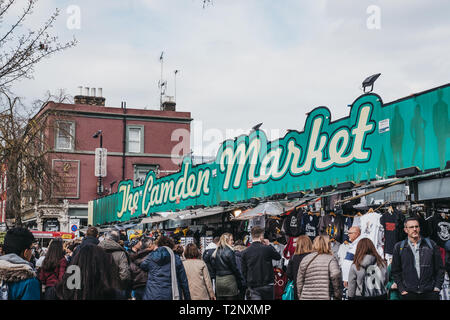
(161, 83)
(175, 85)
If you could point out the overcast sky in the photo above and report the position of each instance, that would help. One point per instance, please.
(243, 62)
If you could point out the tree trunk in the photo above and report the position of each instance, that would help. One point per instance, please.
(13, 194)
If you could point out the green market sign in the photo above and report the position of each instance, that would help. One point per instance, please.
(373, 142)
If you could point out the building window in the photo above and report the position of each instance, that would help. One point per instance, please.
(65, 134)
(135, 139)
(140, 172)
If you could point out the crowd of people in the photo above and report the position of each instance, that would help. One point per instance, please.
(155, 267)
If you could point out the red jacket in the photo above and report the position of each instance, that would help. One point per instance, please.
(51, 278)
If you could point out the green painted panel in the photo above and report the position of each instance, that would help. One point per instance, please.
(371, 143)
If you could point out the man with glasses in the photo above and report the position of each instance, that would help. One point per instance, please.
(346, 253)
(417, 266)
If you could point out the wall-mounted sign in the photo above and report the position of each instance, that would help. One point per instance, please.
(100, 162)
(67, 181)
(51, 225)
(325, 153)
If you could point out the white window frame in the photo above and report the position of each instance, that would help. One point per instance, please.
(71, 136)
(141, 138)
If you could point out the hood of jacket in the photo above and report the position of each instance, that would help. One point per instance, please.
(13, 268)
(161, 256)
(368, 260)
(110, 246)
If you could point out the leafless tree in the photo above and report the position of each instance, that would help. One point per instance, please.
(24, 149)
(22, 48)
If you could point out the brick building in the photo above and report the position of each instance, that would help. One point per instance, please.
(136, 140)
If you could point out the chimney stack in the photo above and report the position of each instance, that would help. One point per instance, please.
(90, 99)
(168, 103)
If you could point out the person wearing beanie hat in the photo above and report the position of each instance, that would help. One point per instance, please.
(17, 276)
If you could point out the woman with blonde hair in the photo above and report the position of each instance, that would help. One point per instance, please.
(303, 248)
(228, 277)
(317, 271)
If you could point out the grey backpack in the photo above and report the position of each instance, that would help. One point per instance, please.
(373, 285)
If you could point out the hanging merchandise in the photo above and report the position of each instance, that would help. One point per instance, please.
(392, 222)
(279, 283)
(258, 221)
(440, 229)
(357, 220)
(292, 225)
(279, 248)
(310, 225)
(273, 230)
(331, 225)
(348, 223)
(371, 228)
(289, 249)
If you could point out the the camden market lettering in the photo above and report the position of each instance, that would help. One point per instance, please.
(371, 143)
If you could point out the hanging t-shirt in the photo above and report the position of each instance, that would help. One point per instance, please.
(279, 248)
(371, 228)
(348, 223)
(440, 229)
(332, 226)
(393, 225)
(356, 221)
(310, 225)
(258, 221)
(292, 225)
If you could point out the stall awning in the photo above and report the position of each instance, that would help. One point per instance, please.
(271, 208)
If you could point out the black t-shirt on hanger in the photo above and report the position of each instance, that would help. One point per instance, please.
(440, 229)
(310, 225)
(292, 225)
(393, 226)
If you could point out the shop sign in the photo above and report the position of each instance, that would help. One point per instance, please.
(325, 153)
(68, 180)
(52, 235)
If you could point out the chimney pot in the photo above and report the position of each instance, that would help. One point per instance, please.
(93, 92)
(86, 91)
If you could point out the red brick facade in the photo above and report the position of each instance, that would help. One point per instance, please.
(158, 127)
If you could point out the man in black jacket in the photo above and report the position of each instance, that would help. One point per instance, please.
(417, 266)
(257, 266)
(91, 238)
